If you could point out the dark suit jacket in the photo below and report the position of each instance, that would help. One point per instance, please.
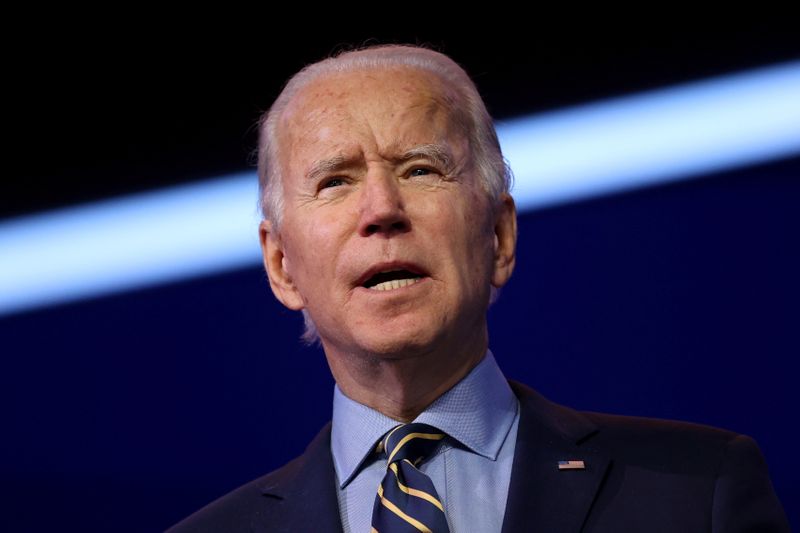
(641, 475)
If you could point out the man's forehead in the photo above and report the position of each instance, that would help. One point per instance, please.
(333, 94)
(330, 116)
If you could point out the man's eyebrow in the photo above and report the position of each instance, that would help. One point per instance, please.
(327, 166)
(434, 152)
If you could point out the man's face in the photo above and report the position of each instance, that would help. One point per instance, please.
(387, 237)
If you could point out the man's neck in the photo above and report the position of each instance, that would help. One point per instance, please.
(402, 387)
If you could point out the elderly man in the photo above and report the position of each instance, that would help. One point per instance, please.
(388, 222)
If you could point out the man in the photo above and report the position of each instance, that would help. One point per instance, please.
(387, 221)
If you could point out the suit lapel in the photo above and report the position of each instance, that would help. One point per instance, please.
(540, 496)
(306, 492)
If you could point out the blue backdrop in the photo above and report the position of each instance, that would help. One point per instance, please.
(677, 302)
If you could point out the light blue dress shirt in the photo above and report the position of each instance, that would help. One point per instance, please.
(471, 470)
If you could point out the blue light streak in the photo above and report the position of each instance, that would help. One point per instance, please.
(560, 156)
(654, 137)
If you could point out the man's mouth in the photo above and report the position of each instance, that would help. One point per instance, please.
(392, 278)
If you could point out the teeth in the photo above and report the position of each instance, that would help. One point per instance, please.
(394, 284)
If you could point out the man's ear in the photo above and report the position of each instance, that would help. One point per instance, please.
(505, 240)
(276, 265)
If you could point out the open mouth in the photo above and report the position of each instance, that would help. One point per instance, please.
(393, 279)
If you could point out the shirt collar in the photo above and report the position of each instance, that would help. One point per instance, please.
(478, 412)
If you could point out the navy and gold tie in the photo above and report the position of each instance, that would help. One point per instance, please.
(407, 500)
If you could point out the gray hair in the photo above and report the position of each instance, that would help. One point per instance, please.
(462, 97)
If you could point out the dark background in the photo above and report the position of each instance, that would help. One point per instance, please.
(126, 413)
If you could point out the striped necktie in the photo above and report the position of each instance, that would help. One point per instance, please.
(407, 500)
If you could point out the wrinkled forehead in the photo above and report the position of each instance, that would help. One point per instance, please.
(398, 106)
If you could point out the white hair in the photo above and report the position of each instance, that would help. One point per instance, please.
(460, 95)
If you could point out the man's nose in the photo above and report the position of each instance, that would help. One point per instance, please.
(382, 208)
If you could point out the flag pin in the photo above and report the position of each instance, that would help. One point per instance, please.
(571, 465)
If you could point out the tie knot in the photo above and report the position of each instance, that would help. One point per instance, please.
(411, 441)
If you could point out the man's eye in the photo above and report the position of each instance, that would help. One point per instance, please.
(420, 171)
(333, 182)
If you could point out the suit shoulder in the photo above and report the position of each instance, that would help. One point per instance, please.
(658, 475)
(666, 445)
(637, 440)
(716, 465)
(238, 509)
(645, 429)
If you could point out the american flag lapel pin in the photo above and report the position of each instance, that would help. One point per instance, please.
(571, 465)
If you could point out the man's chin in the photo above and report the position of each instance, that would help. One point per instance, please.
(386, 345)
